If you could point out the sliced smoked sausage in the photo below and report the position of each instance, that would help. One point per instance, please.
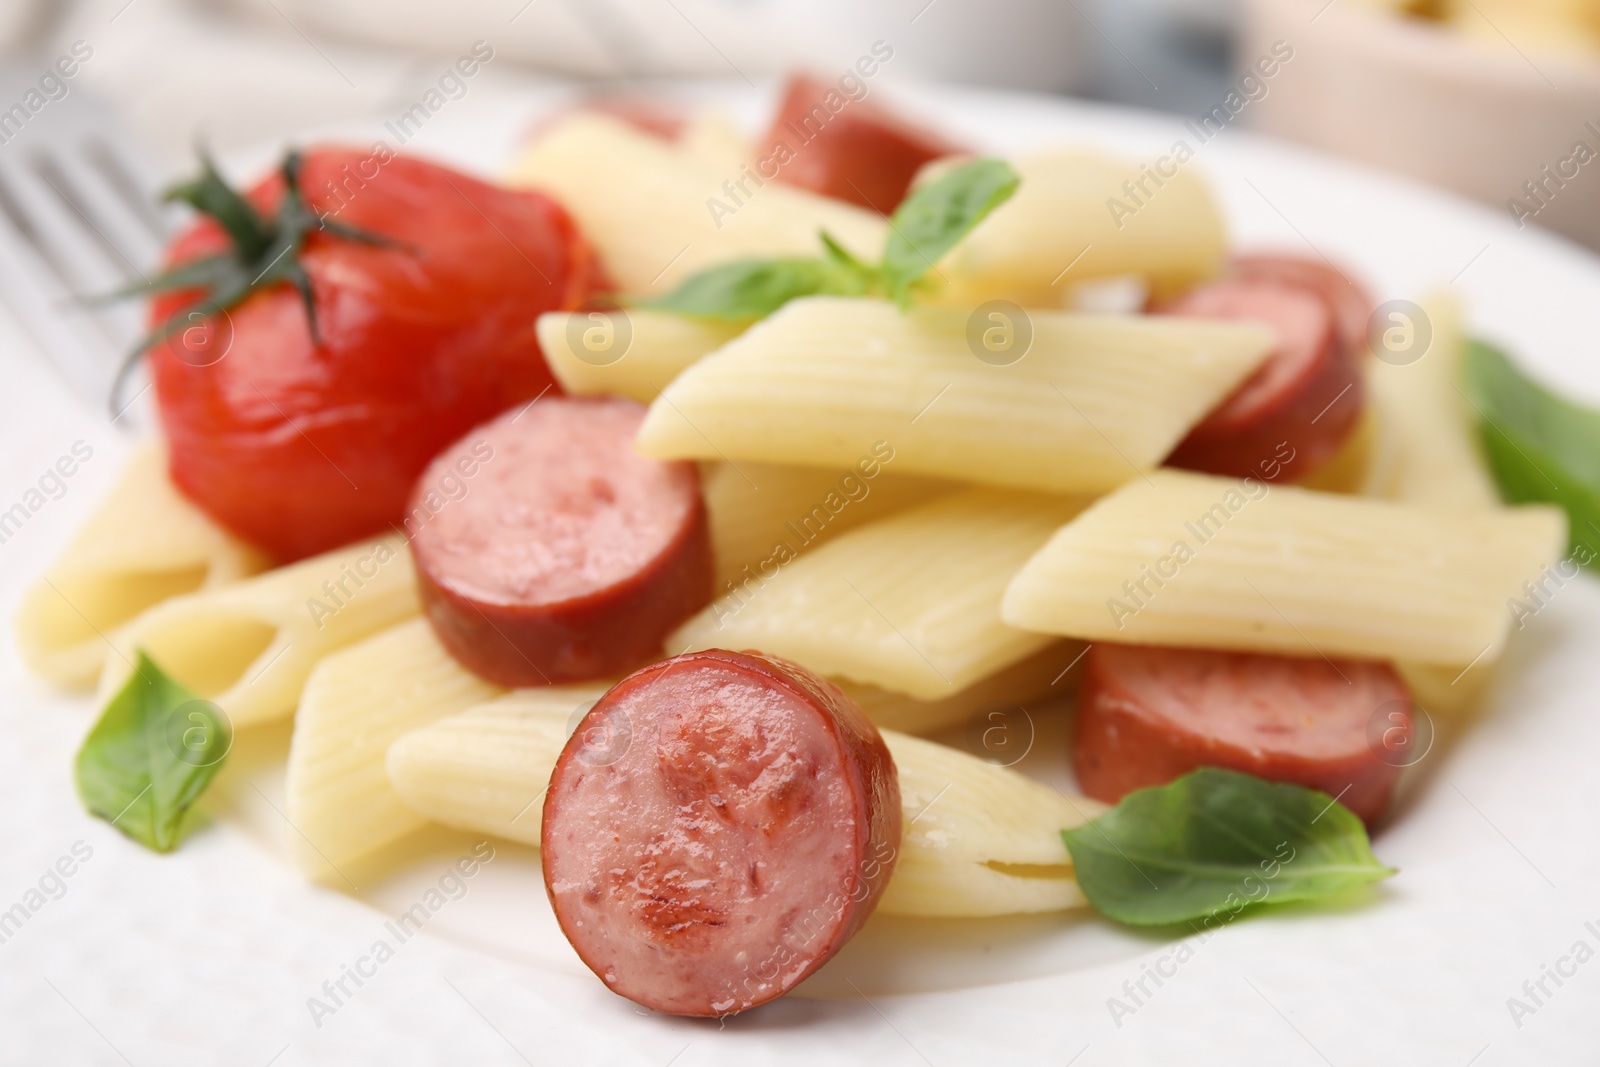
(717, 827)
(563, 555)
(1302, 403)
(844, 148)
(1148, 715)
(1345, 297)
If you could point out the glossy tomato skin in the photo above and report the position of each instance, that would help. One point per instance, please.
(302, 447)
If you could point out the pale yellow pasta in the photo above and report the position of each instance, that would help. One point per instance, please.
(909, 603)
(762, 515)
(633, 353)
(978, 839)
(1189, 559)
(1095, 400)
(357, 703)
(1074, 218)
(1447, 690)
(1436, 459)
(1041, 676)
(1429, 454)
(249, 646)
(144, 544)
(486, 769)
(713, 139)
(657, 214)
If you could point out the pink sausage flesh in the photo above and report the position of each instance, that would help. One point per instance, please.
(717, 827)
(564, 556)
(1149, 715)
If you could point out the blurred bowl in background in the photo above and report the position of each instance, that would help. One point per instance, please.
(1437, 105)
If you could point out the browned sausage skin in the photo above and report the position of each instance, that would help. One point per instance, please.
(1304, 401)
(1346, 298)
(848, 149)
(1149, 715)
(717, 827)
(568, 556)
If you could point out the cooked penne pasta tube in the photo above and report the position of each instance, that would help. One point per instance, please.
(1079, 215)
(144, 544)
(1436, 459)
(249, 646)
(632, 353)
(1192, 560)
(658, 214)
(1093, 401)
(1043, 675)
(711, 138)
(486, 768)
(763, 515)
(1447, 690)
(978, 839)
(909, 603)
(357, 702)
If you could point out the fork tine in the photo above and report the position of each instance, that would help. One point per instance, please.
(76, 345)
(124, 236)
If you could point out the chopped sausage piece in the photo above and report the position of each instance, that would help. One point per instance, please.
(717, 827)
(1345, 297)
(851, 150)
(1149, 715)
(1296, 411)
(548, 551)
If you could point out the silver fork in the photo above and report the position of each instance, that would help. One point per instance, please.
(79, 218)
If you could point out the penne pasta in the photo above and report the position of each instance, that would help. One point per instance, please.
(144, 544)
(1041, 676)
(1080, 215)
(1436, 459)
(658, 214)
(1192, 560)
(486, 768)
(1351, 468)
(1095, 400)
(1446, 690)
(978, 839)
(762, 514)
(712, 139)
(910, 603)
(633, 353)
(357, 702)
(250, 646)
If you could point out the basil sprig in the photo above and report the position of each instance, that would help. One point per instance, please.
(1215, 841)
(1540, 447)
(925, 226)
(153, 752)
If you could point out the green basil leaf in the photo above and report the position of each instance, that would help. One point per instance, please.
(748, 289)
(1541, 448)
(153, 752)
(1214, 841)
(929, 222)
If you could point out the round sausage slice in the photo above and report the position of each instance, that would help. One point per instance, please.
(547, 551)
(1295, 412)
(854, 151)
(717, 827)
(1149, 715)
(1345, 297)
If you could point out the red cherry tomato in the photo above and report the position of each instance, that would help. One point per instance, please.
(301, 447)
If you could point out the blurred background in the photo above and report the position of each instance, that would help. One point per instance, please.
(1496, 99)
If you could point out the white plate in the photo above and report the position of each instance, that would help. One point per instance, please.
(211, 954)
